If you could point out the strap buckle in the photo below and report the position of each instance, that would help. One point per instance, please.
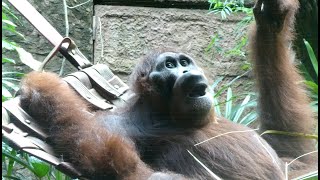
(69, 50)
(74, 55)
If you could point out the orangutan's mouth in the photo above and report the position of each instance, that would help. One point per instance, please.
(198, 90)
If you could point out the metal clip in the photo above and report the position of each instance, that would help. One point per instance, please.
(74, 55)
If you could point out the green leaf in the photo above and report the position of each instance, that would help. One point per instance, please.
(229, 103)
(17, 74)
(7, 10)
(5, 92)
(11, 177)
(216, 82)
(314, 96)
(8, 60)
(249, 118)
(13, 30)
(4, 98)
(8, 27)
(236, 78)
(5, 5)
(210, 4)
(309, 176)
(10, 85)
(227, 85)
(312, 56)
(10, 79)
(313, 103)
(11, 163)
(305, 72)
(246, 66)
(17, 159)
(8, 45)
(314, 108)
(223, 15)
(212, 42)
(9, 22)
(296, 134)
(216, 105)
(223, 88)
(242, 107)
(4, 16)
(313, 86)
(228, 9)
(28, 59)
(40, 168)
(58, 175)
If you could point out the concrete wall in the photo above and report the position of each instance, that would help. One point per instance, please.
(80, 30)
(128, 33)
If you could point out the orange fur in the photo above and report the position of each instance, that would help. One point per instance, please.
(101, 151)
(93, 149)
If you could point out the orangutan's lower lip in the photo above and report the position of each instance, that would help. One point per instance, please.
(198, 90)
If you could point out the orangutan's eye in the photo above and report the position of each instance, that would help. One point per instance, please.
(184, 62)
(170, 64)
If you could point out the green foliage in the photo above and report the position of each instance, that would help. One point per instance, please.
(214, 44)
(303, 135)
(9, 79)
(242, 113)
(237, 50)
(227, 7)
(309, 176)
(13, 160)
(311, 84)
(312, 56)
